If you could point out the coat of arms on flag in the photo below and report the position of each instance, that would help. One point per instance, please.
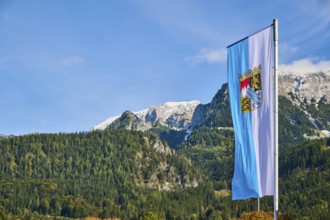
(251, 91)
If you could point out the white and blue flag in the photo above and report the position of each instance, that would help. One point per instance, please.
(250, 83)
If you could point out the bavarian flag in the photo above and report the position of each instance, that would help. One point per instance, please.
(250, 83)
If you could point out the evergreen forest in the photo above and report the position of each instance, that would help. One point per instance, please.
(121, 174)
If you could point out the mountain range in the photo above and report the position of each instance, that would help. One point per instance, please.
(173, 161)
(304, 106)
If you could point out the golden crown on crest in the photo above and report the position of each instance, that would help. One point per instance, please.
(250, 73)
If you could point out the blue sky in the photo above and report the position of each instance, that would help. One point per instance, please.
(67, 65)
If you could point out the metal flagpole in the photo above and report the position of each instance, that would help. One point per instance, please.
(275, 26)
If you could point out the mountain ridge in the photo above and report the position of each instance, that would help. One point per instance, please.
(176, 115)
(300, 95)
(309, 86)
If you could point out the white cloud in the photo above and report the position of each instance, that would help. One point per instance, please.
(208, 56)
(71, 61)
(305, 66)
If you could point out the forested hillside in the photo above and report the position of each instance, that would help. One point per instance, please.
(305, 180)
(304, 173)
(133, 175)
(106, 174)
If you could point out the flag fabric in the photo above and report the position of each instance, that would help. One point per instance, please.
(250, 84)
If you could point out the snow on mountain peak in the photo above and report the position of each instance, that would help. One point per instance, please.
(305, 86)
(103, 125)
(176, 115)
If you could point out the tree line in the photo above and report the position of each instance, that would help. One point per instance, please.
(106, 174)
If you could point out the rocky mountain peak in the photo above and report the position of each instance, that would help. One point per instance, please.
(174, 115)
(305, 87)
